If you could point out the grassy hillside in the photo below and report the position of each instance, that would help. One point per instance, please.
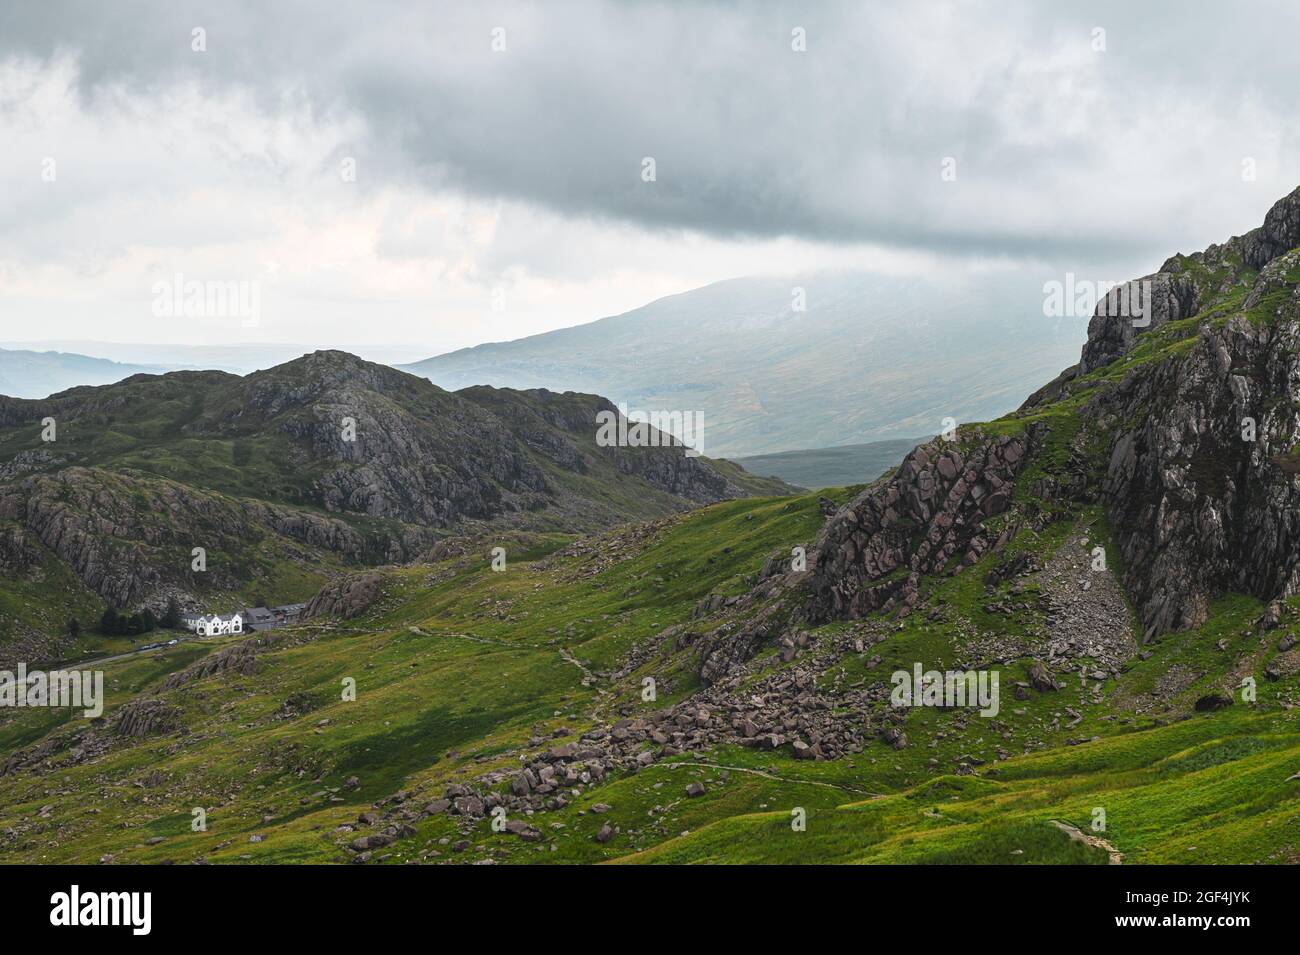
(1213, 789)
(460, 669)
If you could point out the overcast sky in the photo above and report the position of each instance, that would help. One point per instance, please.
(501, 191)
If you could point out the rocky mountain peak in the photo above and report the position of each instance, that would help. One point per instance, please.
(1186, 283)
(1189, 446)
(304, 460)
(330, 372)
(1280, 232)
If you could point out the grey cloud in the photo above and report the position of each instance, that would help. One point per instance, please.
(1056, 156)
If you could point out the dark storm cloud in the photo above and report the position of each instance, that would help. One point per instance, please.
(1059, 148)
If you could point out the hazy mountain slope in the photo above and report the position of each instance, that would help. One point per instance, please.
(872, 357)
(35, 374)
(831, 467)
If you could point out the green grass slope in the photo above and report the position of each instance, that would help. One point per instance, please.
(458, 667)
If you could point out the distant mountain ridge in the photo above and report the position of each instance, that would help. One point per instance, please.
(872, 357)
(36, 374)
(40, 369)
(287, 474)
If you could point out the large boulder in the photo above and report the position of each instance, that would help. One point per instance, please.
(345, 597)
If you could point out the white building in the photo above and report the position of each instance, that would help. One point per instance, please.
(215, 625)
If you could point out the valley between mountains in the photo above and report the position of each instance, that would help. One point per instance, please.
(670, 660)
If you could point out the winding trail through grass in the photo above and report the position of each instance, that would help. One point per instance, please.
(1115, 856)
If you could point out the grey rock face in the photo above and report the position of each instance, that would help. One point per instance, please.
(418, 454)
(1200, 481)
(145, 717)
(346, 597)
(1280, 233)
(127, 538)
(1172, 297)
(1197, 508)
(240, 658)
(1176, 294)
(926, 519)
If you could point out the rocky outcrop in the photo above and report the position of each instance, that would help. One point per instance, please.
(1132, 308)
(1200, 504)
(20, 551)
(145, 717)
(563, 426)
(27, 462)
(1199, 479)
(74, 515)
(927, 519)
(422, 455)
(76, 746)
(1185, 284)
(240, 658)
(128, 537)
(346, 597)
(1280, 233)
(671, 471)
(733, 643)
(388, 445)
(870, 555)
